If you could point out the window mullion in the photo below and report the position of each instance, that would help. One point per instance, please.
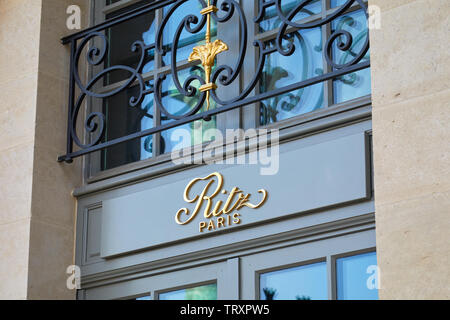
(331, 275)
(230, 119)
(156, 112)
(250, 114)
(326, 32)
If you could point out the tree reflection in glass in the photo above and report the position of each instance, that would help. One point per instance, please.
(206, 292)
(307, 282)
(179, 104)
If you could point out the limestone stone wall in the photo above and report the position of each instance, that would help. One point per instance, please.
(37, 211)
(19, 57)
(410, 62)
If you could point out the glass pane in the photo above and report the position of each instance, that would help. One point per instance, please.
(121, 38)
(187, 40)
(355, 84)
(178, 104)
(337, 3)
(279, 71)
(143, 298)
(271, 20)
(356, 278)
(207, 292)
(122, 120)
(307, 282)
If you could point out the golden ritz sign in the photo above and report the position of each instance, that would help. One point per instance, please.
(217, 214)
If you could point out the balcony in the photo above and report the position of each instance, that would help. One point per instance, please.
(218, 58)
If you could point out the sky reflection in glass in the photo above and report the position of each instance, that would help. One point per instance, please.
(279, 71)
(352, 275)
(355, 84)
(308, 282)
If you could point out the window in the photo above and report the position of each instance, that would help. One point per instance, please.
(130, 62)
(206, 292)
(356, 279)
(308, 61)
(122, 120)
(308, 282)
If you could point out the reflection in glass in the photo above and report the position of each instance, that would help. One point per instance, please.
(178, 104)
(337, 3)
(355, 275)
(206, 292)
(187, 40)
(355, 84)
(279, 71)
(308, 282)
(272, 21)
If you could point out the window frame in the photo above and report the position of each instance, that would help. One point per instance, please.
(259, 273)
(333, 261)
(322, 250)
(197, 284)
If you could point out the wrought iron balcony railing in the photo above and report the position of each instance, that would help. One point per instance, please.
(83, 49)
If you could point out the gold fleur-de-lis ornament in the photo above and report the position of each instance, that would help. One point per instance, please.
(207, 53)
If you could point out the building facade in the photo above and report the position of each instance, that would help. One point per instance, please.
(224, 149)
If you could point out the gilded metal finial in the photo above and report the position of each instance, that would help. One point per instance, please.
(207, 53)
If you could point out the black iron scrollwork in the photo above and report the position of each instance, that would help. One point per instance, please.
(223, 75)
